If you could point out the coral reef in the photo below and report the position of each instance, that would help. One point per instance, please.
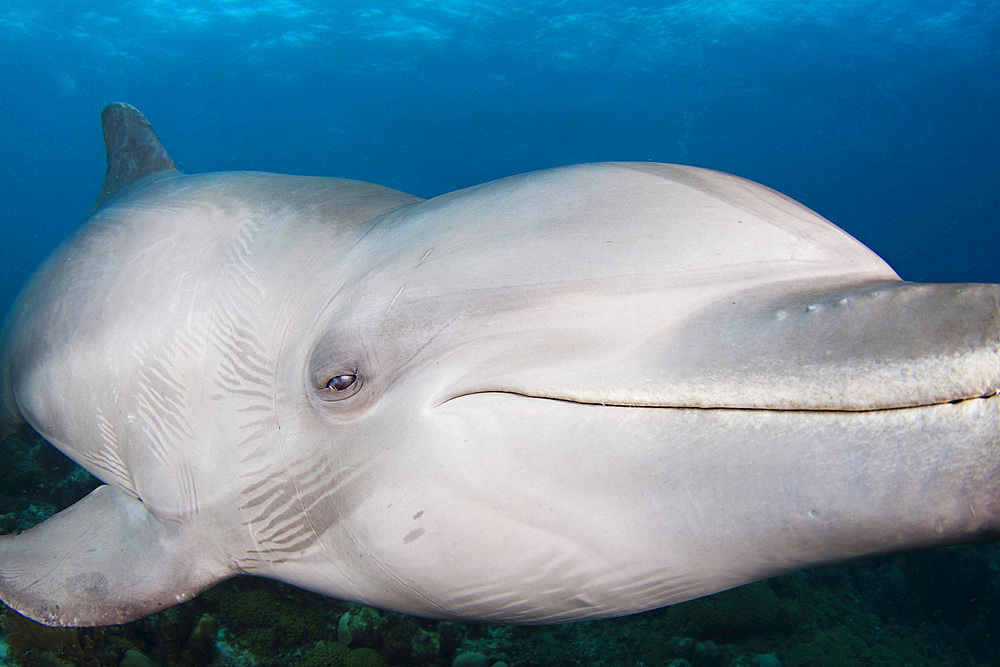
(335, 654)
(30, 643)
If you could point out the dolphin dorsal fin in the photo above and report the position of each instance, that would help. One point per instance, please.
(134, 150)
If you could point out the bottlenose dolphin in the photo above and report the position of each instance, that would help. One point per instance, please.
(576, 393)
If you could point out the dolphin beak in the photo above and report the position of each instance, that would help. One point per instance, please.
(872, 347)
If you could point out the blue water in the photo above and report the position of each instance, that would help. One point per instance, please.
(880, 114)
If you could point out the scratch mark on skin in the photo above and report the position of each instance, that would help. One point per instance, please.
(393, 302)
(426, 254)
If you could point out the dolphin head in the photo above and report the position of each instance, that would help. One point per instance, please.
(576, 393)
(533, 369)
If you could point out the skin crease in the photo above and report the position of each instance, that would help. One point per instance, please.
(577, 393)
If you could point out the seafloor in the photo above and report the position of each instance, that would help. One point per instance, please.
(937, 607)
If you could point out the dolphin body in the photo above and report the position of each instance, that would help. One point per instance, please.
(577, 393)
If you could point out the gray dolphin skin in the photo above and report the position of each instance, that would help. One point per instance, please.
(576, 393)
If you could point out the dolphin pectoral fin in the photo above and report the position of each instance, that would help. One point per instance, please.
(103, 561)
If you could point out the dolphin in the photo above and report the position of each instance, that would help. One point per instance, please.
(576, 393)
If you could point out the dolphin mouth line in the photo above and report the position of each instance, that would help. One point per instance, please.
(743, 408)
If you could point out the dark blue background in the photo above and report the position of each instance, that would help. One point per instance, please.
(881, 115)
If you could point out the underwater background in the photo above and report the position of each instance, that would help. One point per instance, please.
(882, 115)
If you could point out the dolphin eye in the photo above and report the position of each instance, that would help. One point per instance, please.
(341, 382)
(339, 387)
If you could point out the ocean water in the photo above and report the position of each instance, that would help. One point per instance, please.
(879, 114)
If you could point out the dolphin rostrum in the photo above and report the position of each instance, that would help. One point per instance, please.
(577, 393)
